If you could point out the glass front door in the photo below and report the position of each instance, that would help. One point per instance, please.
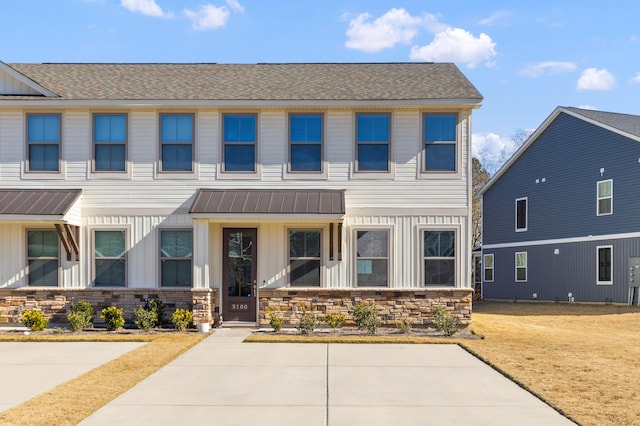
(239, 275)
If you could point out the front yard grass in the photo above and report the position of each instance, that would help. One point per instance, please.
(73, 401)
(580, 358)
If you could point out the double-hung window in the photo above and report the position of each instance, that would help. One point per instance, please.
(487, 267)
(604, 266)
(110, 258)
(110, 142)
(304, 257)
(176, 254)
(239, 142)
(176, 142)
(439, 138)
(439, 258)
(605, 197)
(305, 142)
(372, 258)
(43, 258)
(521, 266)
(43, 142)
(373, 134)
(521, 214)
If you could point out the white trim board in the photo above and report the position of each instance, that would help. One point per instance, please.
(564, 240)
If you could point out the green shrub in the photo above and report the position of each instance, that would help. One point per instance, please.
(34, 320)
(307, 322)
(80, 315)
(145, 319)
(365, 317)
(404, 325)
(334, 319)
(157, 306)
(275, 321)
(113, 317)
(181, 318)
(442, 321)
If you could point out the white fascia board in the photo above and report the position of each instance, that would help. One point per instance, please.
(457, 103)
(563, 240)
(26, 80)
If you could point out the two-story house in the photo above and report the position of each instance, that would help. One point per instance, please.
(235, 190)
(560, 218)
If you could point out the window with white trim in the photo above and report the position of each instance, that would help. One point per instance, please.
(487, 267)
(604, 264)
(605, 197)
(176, 142)
(239, 140)
(176, 254)
(43, 142)
(439, 257)
(373, 135)
(109, 142)
(372, 258)
(305, 257)
(109, 258)
(521, 266)
(521, 214)
(439, 139)
(43, 258)
(305, 142)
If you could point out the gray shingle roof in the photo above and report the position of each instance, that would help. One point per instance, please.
(253, 82)
(625, 122)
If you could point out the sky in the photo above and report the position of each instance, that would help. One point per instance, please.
(526, 58)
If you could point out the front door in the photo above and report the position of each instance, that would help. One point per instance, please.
(239, 274)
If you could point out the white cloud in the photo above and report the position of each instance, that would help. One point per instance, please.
(588, 107)
(208, 17)
(548, 68)
(456, 45)
(146, 7)
(494, 150)
(495, 17)
(595, 79)
(635, 79)
(395, 26)
(235, 6)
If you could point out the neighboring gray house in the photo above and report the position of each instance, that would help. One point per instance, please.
(561, 219)
(236, 189)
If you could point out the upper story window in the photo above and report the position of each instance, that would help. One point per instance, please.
(439, 140)
(305, 142)
(109, 142)
(372, 142)
(176, 142)
(521, 214)
(439, 258)
(43, 142)
(176, 254)
(304, 257)
(239, 142)
(605, 197)
(43, 258)
(372, 258)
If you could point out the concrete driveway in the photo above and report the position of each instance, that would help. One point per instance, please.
(223, 381)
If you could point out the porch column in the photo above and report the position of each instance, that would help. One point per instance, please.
(201, 274)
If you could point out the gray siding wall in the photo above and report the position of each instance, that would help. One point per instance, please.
(568, 155)
(553, 276)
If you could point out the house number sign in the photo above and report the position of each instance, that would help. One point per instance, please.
(239, 306)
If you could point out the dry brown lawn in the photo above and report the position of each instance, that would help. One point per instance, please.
(71, 402)
(581, 359)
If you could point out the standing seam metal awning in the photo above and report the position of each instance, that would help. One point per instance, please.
(323, 202)
(47, 205)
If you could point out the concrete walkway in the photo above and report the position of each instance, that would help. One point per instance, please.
(223, 381)
(30, 368)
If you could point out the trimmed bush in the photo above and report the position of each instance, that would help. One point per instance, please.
(307, 322)
(334, 319)
(365, 317)
(275, 321)
(157, 306)
(113, 317)
(80, 315)
(145, 319)
(34, 320)
(404, 325)
(181, 318)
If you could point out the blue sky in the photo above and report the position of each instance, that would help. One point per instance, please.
(526, 58)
